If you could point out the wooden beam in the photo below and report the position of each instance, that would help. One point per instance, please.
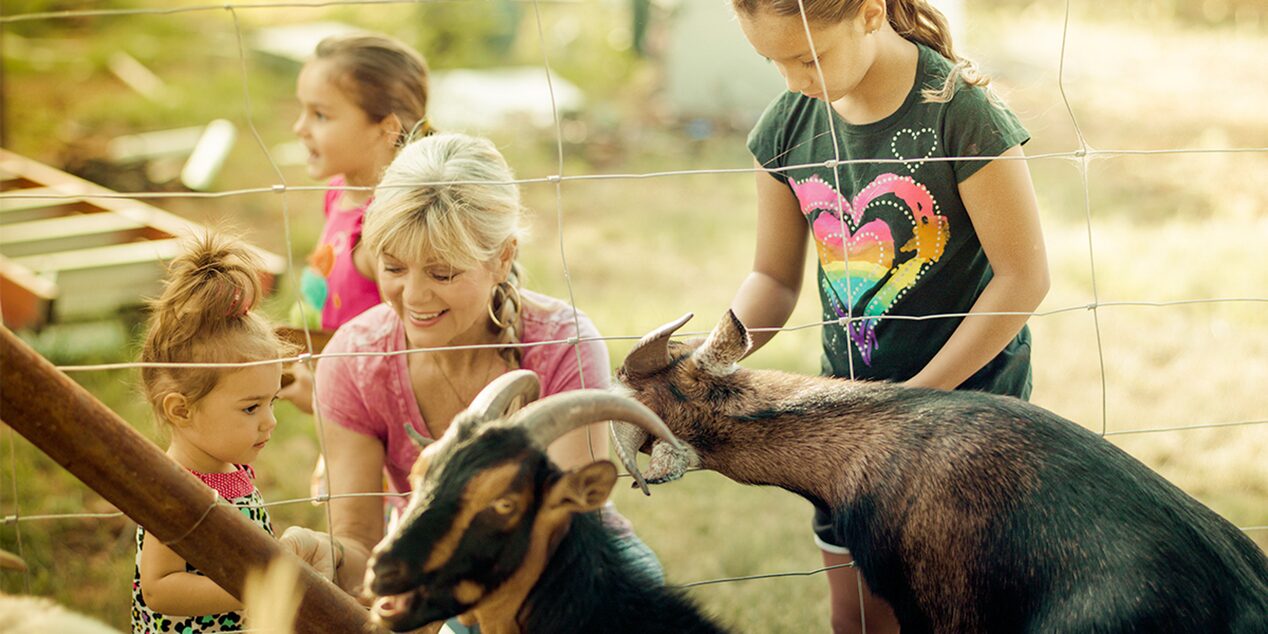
(26, 299)
(69, 424)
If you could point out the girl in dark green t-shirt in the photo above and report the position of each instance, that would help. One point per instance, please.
(909, 177)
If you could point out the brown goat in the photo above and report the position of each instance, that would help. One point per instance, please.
(966, 511)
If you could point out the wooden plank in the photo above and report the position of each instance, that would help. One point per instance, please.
(90, 251)
(38, 203)
(25, 298)
(10, 181)
(94, 194)
(78, 231)
(100, 281)
(58, 263)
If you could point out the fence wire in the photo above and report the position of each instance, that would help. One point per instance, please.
(1081, 157)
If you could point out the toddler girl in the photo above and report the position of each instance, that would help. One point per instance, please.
(219, 420)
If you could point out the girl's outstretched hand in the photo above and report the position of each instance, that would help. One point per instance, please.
(300, 390)
(314, 548)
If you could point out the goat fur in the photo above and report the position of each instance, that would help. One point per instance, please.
(966, 511)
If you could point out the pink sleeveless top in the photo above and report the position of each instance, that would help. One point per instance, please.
(348, 292)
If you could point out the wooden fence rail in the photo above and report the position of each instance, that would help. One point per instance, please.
(89, 440)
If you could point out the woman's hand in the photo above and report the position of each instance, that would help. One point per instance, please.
(354, 463)
(318, 549)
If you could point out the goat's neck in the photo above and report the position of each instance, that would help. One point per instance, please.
(820, 440)
(499, 611)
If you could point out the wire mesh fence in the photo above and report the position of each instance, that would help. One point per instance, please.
(563, 175)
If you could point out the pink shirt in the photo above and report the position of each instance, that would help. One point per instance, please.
(348, 292)
(373, 395)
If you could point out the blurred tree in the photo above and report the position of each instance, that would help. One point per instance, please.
(460, 34)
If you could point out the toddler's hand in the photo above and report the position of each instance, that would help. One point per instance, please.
(300, 390)
(314, 548)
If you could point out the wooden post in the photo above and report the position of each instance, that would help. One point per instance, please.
(70, 425)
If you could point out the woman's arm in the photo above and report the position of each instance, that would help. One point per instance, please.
(1001, 202)
(769, 294)
(354, 464)
(168, 589)
(580, 447)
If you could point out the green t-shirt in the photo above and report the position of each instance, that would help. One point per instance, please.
(912, 247)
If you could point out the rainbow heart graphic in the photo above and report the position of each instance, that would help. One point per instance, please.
(872, 259)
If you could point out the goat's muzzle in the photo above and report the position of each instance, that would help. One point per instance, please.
(399, 602)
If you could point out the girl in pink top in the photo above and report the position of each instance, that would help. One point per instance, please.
(446, 267)
(360, 96)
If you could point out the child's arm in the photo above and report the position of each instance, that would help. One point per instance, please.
(1001, 202)
(168, 589)
(768, 295)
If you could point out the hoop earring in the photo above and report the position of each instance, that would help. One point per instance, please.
(511, 296)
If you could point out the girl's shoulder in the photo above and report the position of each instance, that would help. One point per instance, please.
(965, 98)
(787, 122)
(331, 199)
(547, 318)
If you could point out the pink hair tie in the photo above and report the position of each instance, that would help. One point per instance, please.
(233, 307)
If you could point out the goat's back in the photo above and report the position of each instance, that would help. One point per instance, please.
(992, 514)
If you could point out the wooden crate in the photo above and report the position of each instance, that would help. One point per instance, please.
(68, 253)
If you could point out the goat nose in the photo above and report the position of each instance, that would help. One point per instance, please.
(388, 573)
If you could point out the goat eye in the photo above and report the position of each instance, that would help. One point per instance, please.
(504, 506)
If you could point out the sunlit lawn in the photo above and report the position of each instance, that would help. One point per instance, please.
(1163, 228)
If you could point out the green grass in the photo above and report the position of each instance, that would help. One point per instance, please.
(641, 252)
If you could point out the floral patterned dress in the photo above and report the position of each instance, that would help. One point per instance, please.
(238, 489)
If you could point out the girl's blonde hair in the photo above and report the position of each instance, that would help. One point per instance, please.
(383, 76)
(916, 20)
(449, 197)
(204, 316)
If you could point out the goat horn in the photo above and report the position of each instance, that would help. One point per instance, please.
(651, 353)
(550, 418)
(496, 399)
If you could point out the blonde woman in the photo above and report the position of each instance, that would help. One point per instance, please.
(446, 258)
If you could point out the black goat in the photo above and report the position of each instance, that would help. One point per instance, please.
(494, 531)
(967, 512)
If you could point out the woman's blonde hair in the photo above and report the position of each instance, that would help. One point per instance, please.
(204, 316)
(450, 196)
(383, 76)
(916, 20)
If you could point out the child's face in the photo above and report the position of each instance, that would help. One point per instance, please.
(439, 304)
(843, 52)
(339, 135)
(233, 422)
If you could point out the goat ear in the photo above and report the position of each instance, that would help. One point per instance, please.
(651, 354)
(585, 489)
(726, 345)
